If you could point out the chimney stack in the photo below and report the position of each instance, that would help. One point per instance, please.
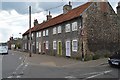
(118, 9)
(49, 16)
(35, 22)
(67, 7)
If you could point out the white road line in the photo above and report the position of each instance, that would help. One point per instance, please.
(70, 77)
(20, 58)
(24, 67)
(10, 77)
(91, 73)
(105, 72)
(19, 66)
(18, 76)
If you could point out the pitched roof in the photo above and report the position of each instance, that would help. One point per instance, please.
(74, 13)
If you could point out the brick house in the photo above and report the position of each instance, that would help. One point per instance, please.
(77, 32)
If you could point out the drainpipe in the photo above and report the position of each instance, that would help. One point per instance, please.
(82, 36)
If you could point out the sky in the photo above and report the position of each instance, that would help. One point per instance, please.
(14, 19)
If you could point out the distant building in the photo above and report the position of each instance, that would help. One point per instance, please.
(14, 43)
(77, 32)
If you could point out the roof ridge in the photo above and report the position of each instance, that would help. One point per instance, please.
(62, 17)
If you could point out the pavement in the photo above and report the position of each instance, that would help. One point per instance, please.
(1, 67)
(55, 61)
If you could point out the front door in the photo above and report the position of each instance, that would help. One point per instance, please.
(68, 49)
(39, 47)
(44, 47)
(59, 48)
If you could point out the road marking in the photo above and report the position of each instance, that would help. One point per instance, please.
(20, 58)
(10, 77)
(26, 64)
(101, 73)
(70, 77)
(18, 76)
(19, 66)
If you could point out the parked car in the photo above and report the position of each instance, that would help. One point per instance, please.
(114, 60)
(3, 48)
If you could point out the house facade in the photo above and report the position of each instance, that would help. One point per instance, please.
(75, 33)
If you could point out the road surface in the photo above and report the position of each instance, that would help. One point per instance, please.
(14, 65)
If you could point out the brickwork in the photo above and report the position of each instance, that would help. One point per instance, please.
(102, 29)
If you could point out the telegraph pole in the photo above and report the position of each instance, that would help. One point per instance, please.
(30, 52)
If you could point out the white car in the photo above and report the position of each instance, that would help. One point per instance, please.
(3, 48)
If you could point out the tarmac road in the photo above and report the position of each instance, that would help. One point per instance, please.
(15, 65)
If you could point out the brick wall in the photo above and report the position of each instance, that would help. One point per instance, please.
(102, 29)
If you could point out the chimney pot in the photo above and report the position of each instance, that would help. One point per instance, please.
(49, 16)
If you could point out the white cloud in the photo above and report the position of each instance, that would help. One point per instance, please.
(13, 23)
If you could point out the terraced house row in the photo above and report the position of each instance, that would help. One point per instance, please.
(77, 32)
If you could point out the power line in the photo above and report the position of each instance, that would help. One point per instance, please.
(38, 11)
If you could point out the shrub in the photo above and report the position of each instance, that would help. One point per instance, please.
(88, 57)
(96, 56)
(106, 55)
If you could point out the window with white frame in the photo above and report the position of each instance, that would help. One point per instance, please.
(47, 32)
(59, 29)
(47, 44)
(25, 37)
(74, 26)
(37, 45)
(25, 45)
(67, 28)
(29, 46)
(54, 44)
(32, 35)
(74, 45)
(39, 34)
(44, 33)
(54, 30)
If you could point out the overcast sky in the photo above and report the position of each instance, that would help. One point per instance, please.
(14, 15)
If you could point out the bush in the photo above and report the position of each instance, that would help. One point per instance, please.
(106, 55)
(101, 54)
(88, 57)
(96, 56)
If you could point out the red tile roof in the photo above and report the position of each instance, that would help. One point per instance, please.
(61, 18)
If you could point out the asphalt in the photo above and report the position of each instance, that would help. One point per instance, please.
(54, 61)
(20, 65)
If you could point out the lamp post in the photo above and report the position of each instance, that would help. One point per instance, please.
(30, 54)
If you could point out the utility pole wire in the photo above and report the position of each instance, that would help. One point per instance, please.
(36, 12)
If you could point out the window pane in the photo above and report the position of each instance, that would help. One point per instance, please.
(74, 26)
(43, 33)
(54, 30)
(54, 45)
(47, 44)
(46, 32)
(67, 28)
(39, 34)
(59, 29)
(37, 45)
(74, 45)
